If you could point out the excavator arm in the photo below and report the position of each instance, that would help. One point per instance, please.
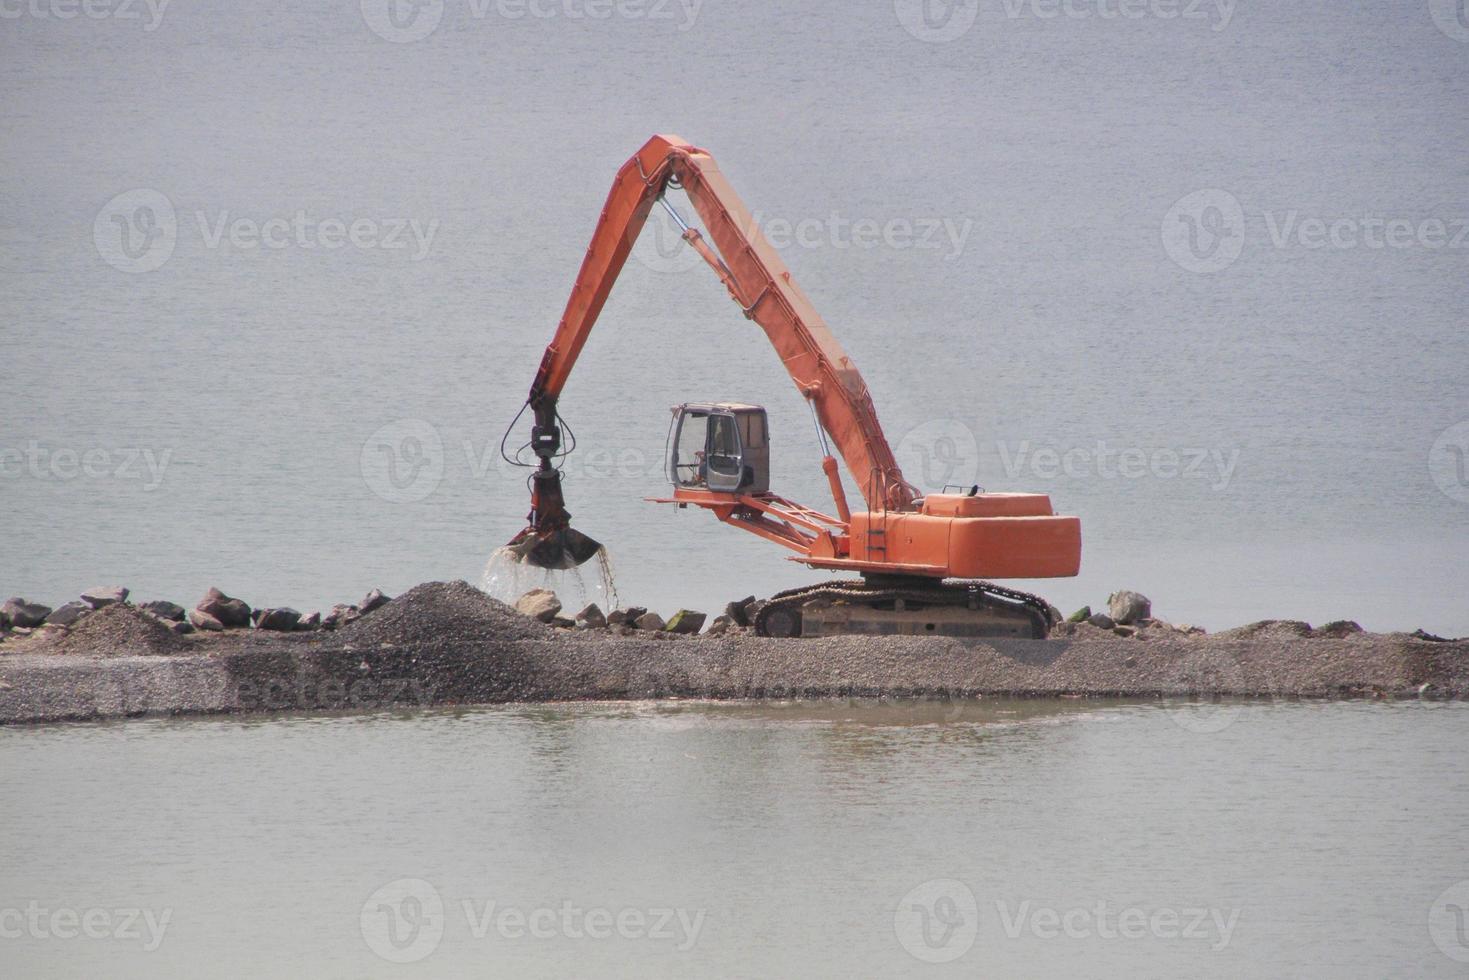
(757, 280)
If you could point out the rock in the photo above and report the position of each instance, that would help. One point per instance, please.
(229, 613)
(178, 627)
(371, 601)
(26, 615)
(634, 613)
(650, 621)
(310, 621)
(719, 626)
(540, 604)
(1127, 607)
(1081, 615)
(686, 622)
(255, 615)
(205, 621)
(282, 620)
(164, 609)
(1101, 621)
(68, 614)
(1337, 629)
(106, 595)
(340, 615)
(1127, 631)
(617, 617)
(591, 617)
(738, 612)
(562, 623)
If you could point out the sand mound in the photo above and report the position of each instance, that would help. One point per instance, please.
(444, 612)
(1283, 629)
(115, 631)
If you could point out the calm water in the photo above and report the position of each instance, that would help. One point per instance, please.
(322, 405)
(1290, 839)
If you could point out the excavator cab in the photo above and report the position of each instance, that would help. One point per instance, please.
(724, 448)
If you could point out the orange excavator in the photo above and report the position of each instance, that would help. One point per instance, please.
(922, 559)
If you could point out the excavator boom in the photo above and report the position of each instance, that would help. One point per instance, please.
(901, 537)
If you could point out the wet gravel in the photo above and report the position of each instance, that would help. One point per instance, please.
(447, 643)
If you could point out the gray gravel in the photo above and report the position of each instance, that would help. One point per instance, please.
(448, 644)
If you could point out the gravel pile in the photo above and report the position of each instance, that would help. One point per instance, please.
(441, 612)
(112, 631)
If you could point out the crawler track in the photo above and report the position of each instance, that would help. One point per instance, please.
(781, 616)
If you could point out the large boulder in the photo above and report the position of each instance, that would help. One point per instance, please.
(282, 620)
(68, 614)
(1101, 621)
(26, 615)
(738, 611)
(591, 617)
(719, 626)
(540, 604)
(650, 621)
(202, 620)
(686, 622)
(229, 612)
(105, 595)
(1127, 607)
(372, 600)
(164, 609)
(310, 621)
(339, 615)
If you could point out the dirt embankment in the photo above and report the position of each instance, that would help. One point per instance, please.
(447, 643)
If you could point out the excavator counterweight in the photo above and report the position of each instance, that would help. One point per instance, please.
(904, 545)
